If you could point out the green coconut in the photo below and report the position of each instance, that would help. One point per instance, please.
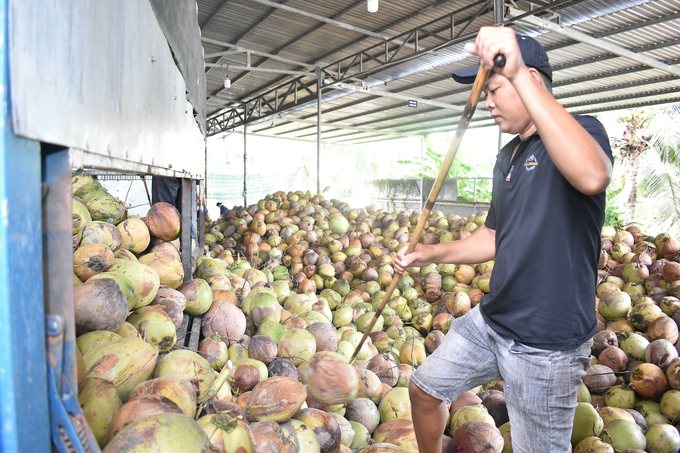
(125, 363)
(155, 327)
(143, 278)
(99, 401)
(227, 434)
(124, 284)
(81, 215)
(277, 398)
(161, 433)
(107, 209)
(191, 366)
(88, 192)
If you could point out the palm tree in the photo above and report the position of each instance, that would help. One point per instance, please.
(631, 147)
(659, 171)
(650, 151)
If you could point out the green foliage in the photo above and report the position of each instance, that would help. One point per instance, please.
(465, 165)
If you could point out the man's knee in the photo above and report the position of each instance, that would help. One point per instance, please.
(420, 396)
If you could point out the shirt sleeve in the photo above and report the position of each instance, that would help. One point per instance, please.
(595, 128)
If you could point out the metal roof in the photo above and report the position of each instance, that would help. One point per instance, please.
(605, 55)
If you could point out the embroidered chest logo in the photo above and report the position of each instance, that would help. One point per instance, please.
(531, 163)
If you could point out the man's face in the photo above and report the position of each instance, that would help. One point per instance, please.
(505, 106)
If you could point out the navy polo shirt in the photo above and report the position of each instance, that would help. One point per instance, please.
(542, 289)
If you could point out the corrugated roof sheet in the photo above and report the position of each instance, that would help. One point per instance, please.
(586, 78)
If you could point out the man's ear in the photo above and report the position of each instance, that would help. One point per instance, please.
(536, 74)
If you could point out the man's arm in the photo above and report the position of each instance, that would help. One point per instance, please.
(576, 154)
(480, 246)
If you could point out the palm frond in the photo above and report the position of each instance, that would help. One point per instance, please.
(659, 183)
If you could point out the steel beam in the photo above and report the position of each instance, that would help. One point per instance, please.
(256, 69)
(331, 22)
(595, 42)
(253, 52)
(403, 97)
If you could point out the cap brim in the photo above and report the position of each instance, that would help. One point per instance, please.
(466, 76)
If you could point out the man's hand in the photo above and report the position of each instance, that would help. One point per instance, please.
(404, 261)
(492, 41)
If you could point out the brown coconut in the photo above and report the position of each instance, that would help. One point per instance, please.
(99, 305)
(97, 232)
(92, 259)
(174, 387)
(262, 348)
(138, 408)
(173, 303)
(169, 268)
(649, 380)
(476, 436)
(276, 398)
(329, 378)
(384, 366)
(135, 235)
(225, 320)
(166, 247)
(163, 221)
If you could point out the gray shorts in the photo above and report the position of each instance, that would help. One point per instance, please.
(541, 386)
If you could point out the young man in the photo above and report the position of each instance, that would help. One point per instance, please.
(223, 209)
(534, 328)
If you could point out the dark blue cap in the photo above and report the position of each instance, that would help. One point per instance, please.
(533, 55)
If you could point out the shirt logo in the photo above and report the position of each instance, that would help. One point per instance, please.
(531, 163)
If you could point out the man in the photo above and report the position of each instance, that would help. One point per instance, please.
(534, 328)
(223, 209)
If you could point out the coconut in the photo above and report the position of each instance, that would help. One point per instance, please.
(365, 412)
(663, 438)
(478, 436)
(127, 331)
(615, 305)
(244, 378)
(144, 280)
(467, 414)
(395, 405)
(107, 209)
(172, 302)
(620, 396)
(163, 221)
(672, 373)
(189, 365)
(661, 353)
(175, 387)
(81, 216)
(329, 378)
(155, 327)
(215, 351)
(587, 423)
(602, 340)
(325, 336)
(125, 363)
(225, 320)
(264, 306)
(169, 268)
(91, 340)
(262, 348)
(277, 398)
(92, 259)
(124, 284)
(663, 327)
(125, 255)
(80, 178)
(99, 401)
(325, 427)
(90, 191)
(266, 437)
(140, 407)
(227, 434)
(135, 234)
(614, 358)
(198, 294)
(161, 432)
(670, 404)
(97, 232)
(649, 380)
(99, 305)
(624, 435)
(592, 444)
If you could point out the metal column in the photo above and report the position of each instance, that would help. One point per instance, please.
(187, 212)
(498, 12)
(245, 158)
(318, 131)
(24, 418)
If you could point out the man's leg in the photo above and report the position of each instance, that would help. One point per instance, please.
(464, 360)
(541, 388)
(429, 416)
